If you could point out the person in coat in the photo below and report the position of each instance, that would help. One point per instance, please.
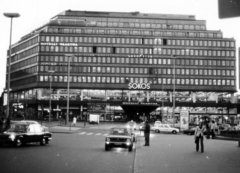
(199, 137)
(147, 133)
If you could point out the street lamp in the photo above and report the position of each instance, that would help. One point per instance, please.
(68, 86)
(173, 112)
(50, 72)
(9, 15)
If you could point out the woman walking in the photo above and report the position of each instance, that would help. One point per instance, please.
(199, 137)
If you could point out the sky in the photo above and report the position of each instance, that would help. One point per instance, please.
(35, 13)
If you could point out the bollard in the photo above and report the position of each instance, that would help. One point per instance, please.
(239, 142)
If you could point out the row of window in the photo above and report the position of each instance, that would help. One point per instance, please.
(136, 60)
(139, 41)
(24, 72)
(24, 45)
(128, 24)
(26, 81)
(144, 32)
(127, 70)
(138, 51)
(122, 80)
(24, 63)
(25, 53)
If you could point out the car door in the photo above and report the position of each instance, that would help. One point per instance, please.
(38, 133)
(30, 135)
(165, 128)
(168, 128)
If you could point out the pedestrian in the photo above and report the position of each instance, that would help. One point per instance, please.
(199, 137)
(147, 133)
(213, 126)
(74, 121)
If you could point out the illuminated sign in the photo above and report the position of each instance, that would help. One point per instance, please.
(139, 86)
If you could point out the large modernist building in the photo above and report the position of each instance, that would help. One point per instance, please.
(124, 66)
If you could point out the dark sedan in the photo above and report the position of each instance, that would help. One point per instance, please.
(119, 137)
(22, 133)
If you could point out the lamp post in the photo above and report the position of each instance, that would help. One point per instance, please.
(173, 112)
(68, 86)
(9, 15)
(50, 93)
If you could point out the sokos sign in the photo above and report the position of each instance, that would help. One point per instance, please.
(139, 86)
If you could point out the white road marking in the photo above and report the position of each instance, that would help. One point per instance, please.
(98, 134)
(82, 133)
(105, 134)
(89, 134)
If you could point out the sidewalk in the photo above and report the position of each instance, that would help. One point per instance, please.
(169, 153)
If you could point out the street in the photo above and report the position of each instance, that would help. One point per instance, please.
(83, 151)
(78, 152)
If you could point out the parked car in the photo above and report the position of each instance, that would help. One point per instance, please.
(157, 123)
(165, 128)
(23, 133)
(119, 137)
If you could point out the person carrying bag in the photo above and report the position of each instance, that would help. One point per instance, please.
(199, 137)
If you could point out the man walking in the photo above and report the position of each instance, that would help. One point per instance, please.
(147, 133)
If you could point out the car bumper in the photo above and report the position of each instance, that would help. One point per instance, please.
(119, 144)
(6, 141)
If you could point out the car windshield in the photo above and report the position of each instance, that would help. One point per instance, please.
(18, 128)
(119, 131)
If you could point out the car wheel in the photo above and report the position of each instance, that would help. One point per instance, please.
(174, 132)
(43, 142)
(106, 147)
(18, 142)
(157, 131)
(130, 148)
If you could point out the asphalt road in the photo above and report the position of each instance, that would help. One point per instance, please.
(78, 152)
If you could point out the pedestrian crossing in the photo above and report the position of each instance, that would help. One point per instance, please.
(93, 134)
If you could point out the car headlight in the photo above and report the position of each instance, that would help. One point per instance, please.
(12, 137)
(107, 140)
(128, 141)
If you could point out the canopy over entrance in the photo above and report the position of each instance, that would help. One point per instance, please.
(134, 110)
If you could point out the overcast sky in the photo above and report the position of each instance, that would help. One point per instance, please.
(35, 13)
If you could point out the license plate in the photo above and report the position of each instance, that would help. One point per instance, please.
(117, 144)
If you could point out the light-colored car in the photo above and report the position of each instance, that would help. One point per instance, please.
(157, 123)
(119, 137)
(165, 128)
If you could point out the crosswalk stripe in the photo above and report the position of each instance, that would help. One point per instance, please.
(82, 133)
(89, 133)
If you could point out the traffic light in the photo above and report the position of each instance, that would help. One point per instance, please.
(228, 8)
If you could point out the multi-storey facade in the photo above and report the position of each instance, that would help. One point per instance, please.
(125, 65)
